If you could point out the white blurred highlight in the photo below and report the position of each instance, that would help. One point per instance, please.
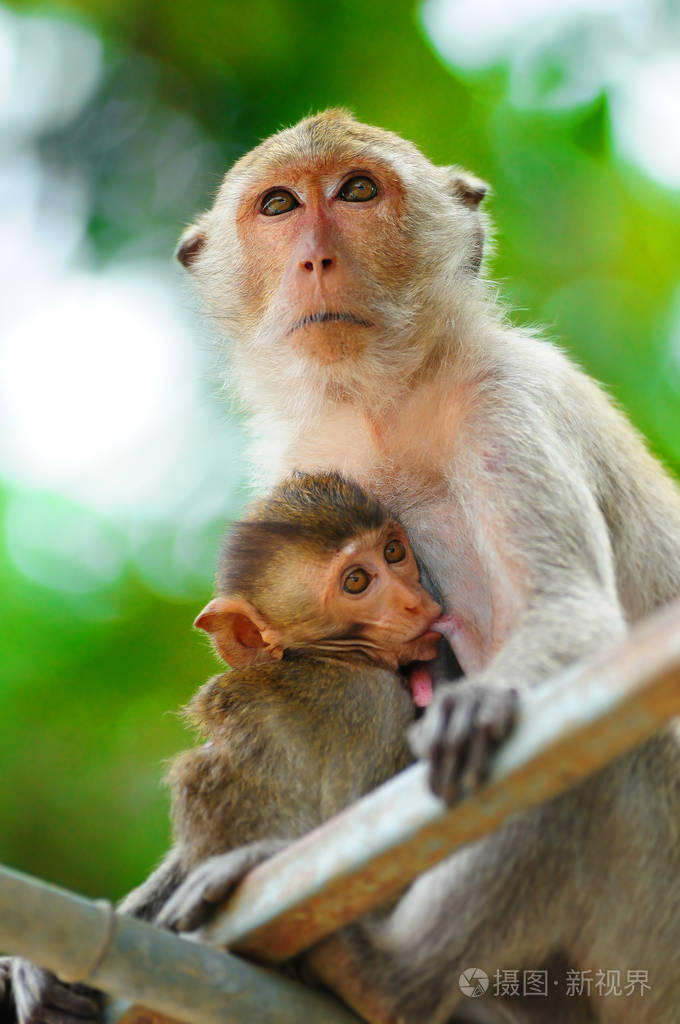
(475, 33)
(61, 546)
(49, 67)
(563, 53)
(646, 114)
(96, 388)
(110, 453)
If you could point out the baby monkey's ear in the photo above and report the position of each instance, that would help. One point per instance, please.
(239, 633)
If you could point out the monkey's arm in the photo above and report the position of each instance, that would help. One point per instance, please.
(552, 580)
(236, 801)
(148, 898)
(226, 828)
(212, 882)
(537, 591)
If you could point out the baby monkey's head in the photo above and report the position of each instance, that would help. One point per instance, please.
(320, 567)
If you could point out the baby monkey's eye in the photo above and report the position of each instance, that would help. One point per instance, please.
(279, 200)
(356, 581)
(358, 190)
(394, 551)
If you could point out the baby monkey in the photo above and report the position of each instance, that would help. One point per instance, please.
(319, 603)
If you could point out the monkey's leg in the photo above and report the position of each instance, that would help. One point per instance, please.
(7, 1014)
(39, 997)
(487, 906)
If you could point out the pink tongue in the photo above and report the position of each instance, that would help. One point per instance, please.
(421, 687)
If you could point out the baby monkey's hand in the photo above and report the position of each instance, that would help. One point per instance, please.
(208, 885)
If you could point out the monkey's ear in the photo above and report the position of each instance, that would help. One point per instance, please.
(466, 187)
(240, 634)
(190, 245)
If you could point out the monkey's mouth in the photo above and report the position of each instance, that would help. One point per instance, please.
(429, 634)
(324, 318)
(431, 631)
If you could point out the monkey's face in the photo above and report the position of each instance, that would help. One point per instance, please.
(326, 249)
(373, 603)
(365, 600)
(334, 238)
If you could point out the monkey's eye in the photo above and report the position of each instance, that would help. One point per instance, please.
(358, 190)
(279, 200)
(356, 581)
(394, 551)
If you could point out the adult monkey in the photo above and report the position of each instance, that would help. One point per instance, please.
(344, 267)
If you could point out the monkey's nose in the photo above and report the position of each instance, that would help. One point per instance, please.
(318, 264)
(428, 605)
(421, 603)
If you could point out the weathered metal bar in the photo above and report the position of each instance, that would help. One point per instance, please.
(568, 728)
(79, 939)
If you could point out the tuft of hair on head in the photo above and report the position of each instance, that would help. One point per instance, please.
(318, 511)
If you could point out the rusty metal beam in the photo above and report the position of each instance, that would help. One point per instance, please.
(79, 939)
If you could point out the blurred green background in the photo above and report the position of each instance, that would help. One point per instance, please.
(120, 461)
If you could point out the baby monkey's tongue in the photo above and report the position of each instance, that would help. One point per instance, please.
(419, 678)
(420, 681)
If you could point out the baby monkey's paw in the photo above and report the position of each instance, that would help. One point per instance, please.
(208, 885)
(459, 733)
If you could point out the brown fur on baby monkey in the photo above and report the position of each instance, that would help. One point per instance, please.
(319, 603)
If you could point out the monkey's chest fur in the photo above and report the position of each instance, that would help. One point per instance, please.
(289, 745)
(421, 467)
